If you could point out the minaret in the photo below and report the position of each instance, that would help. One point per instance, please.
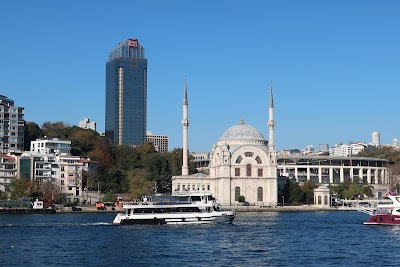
(185, 124)
(271, 122)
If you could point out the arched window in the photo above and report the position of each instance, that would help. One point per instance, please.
(325, 200)
(248, 169)
(319, 200)
(260, 194)
(258, 159)
(237, 193)
(239, 159)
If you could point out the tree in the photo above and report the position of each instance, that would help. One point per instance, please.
(115, 180)
(308, 189)
(31, 133)
(296, 195)
(102, 153)
(394, 177)
(241, 199)
(127, 158)
(82, 140)
(139, 185)
(20, 189)
(175, 161)
(159, 171)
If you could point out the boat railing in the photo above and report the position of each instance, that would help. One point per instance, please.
(164, 203)
(367, 210)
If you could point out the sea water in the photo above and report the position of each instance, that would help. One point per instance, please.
(254, 239)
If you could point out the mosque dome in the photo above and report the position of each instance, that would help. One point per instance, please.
(244, 132)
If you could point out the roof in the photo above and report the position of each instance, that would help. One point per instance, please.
(242, 132)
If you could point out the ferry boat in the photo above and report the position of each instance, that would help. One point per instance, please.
(174, 209)
(385, 214)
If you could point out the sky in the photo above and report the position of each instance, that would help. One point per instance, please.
(334, 65)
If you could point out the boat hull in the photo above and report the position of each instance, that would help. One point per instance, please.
(383, 219)
(161, 219)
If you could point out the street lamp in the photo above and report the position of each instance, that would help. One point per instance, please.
(98, 190)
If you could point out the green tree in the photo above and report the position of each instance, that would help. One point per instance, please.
(114, 180)
(296, 195)
(139, 184)
(158, 169)
(126, 157)
(175, 161)
(20, 189)
(308, 189)
(31, 133)
(241, 199)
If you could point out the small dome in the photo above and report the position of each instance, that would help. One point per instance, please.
(242, 132)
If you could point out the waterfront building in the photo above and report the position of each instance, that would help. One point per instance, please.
(242, 163)
(70, 177)
(64, 172)
(335, 170)
(322, 197)
(51, 146)
(8, 170)
(160, 142)
(12, 126)
(126, 94)
(87, 124)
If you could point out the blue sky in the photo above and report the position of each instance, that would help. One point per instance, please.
(334, 65)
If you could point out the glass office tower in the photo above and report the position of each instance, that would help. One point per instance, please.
(126, 94)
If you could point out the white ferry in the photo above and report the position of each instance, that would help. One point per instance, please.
(174, 209)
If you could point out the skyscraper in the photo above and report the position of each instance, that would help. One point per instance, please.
(126, 94)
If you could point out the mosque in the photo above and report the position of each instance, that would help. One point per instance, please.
(242, 164)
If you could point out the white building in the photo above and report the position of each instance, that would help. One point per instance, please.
(376, 139)
(160, 142)
(348, 150)
(87, 124)
(242, 163)
(8, 170)
(70, 176)
(308, 150)
(51, 146)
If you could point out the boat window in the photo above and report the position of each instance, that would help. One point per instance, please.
(196, 198)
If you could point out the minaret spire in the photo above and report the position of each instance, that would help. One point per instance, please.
(271, 122)
(185, 125)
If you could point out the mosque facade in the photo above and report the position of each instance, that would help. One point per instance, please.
(243, 164)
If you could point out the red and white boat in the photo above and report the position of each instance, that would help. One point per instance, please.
(385, 214)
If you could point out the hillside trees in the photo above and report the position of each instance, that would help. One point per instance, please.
(120, 168)
(31, 133)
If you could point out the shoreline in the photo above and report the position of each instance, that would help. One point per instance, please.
(237, 209)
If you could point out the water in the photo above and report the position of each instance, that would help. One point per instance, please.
(254, 239)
